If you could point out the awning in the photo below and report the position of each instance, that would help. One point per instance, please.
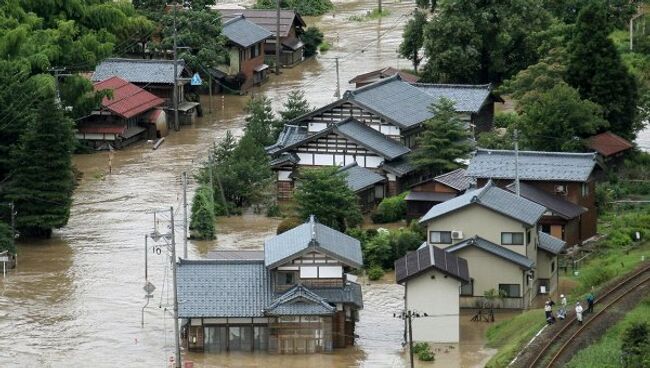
(186, 106)
(101, 129)
(261, 67)
(294, 44)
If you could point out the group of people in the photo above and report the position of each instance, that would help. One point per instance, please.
(561, 313)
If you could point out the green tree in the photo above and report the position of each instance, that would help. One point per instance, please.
(312, 38)
(224, 150)
(260, 120)
(558, 119)
(532, 81)
(496, 139)
(41, 182)
(595, 69)
(203, 218)
(295, 106)
(324, 193)
(635, 346)
(6, 243)
(444, 141)
(413, 38)
(482, 41)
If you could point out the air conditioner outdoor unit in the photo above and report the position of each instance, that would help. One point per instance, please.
(456, 235)
(560, 189)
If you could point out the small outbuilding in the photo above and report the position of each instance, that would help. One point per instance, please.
(609, 145)
(432, 279)
(433, 190)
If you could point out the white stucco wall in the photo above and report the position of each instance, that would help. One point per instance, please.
(434, 296)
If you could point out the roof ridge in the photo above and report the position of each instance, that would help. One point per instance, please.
(544, 153)
(378, 83)
(130, 60)
(453, 85)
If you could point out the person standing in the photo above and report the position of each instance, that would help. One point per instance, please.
(579, 313)
(590, 302)
(548, 311)
(562, 312)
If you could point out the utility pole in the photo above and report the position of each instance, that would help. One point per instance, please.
(57, 74)
(517, 190)
(632, 29)
(175, 95)
(338, 81)
(177, 361)
(277, 40)
(380, 8)
(408, 316)
(184, 215)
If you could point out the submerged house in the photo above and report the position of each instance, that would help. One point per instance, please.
(497, 233)
(295, 297)
(245, 44)
(375, 126)
(129, 115)
(563, 182)
(291, 27)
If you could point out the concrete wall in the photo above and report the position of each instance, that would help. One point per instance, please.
(434, 294)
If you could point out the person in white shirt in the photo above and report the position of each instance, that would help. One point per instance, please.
(561, 314)
(579, 313)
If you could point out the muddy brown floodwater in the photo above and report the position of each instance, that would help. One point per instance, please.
(75, 299)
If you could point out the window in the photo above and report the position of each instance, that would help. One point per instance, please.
(584, 189)
(286, 278)
(512, 238)
(528, 237)
(552, 266)
(545, 228)
(308, 272)
(467, 289)
(440, 237)
(510, 290)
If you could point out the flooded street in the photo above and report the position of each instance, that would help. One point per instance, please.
(76, 299)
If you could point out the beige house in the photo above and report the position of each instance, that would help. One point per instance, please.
(497, 233)
(432, 279)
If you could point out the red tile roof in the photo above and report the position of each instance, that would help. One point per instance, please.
(128, 99)
(384, 73)
(608, 144)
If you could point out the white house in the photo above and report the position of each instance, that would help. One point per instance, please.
(432, 279)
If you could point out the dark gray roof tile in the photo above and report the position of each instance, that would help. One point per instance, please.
(428, 257)
(495, 249)
(466, 97)
(556, 204)
(456, 179)
(299, 301)
(139, 70)
(244, 32)
(359, 178)
(550, 243)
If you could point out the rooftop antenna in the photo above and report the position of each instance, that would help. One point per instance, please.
(517, 191)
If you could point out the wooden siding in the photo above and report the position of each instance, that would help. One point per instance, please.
(334, 150)
(346, 110)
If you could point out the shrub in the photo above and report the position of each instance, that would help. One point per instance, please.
(423, 351)
(324, 46)
(420, 346)
(273, 210)
(375, 272)
(377, 251)
(390, 209)
(288, 224)
(312, 38)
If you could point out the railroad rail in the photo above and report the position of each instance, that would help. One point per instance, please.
(568, 333)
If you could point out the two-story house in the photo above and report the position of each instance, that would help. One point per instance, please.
(496, 232)
(563, 182)
(392, 108)
(295, 297)
(245, 52)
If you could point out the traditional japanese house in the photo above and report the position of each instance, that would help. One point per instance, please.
(369, 186)
(123, 118)
(496, 232)
(431, 191)
(246, 53)
(157, 77)
(291, 27)
(375, 75)
(432, 279)
(294, 298)
(569, 177)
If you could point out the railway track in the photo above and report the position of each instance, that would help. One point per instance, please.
(558, 344)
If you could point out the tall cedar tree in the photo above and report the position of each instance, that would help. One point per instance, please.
(295, 106)
(260, 120)
(558, 120)
(444, 141)
(42, 181)
(203, 218)
(595, 69)
(324, 193)
(413, 38)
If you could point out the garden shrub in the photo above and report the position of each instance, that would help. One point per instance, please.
(423, 351)
(390, 209)
(375, 272)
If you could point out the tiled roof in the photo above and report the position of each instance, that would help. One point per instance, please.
(312, 236)
(284, 158)
(608, 144)
(352, 130)
(427, 258)
(466, 97)
(128, 99)
(553, 203)
(495, 249)
(139, 70)
(550, 243)
(494, 198)
(267, 18)
(244, 32)
(533, 165)
(230, 255)
(211, 288)
(359, 178)
(289, 135)
(456, 179)
(349, 294)
(399, 167)
(384, 73)
(429, 196)
(299, 301)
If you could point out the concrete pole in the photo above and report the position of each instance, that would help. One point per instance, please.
(408, 315)
(177, 362)
(184, 215)
(277, 40)
(338, 81)
(380, 7)
(517, 190)
(175, 94)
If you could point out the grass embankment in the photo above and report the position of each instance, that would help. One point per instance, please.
(606, 352)
(510, 335)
